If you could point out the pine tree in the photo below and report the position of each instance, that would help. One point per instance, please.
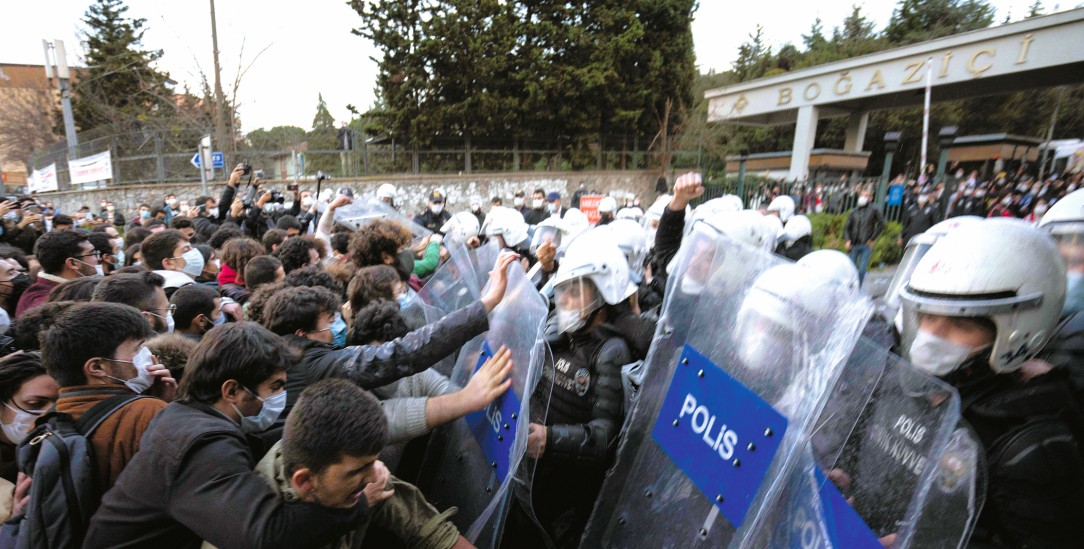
(1035, 10)
(920, 20)
(120, 84)
(323, 119)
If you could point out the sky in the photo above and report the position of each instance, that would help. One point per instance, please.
(295, 51)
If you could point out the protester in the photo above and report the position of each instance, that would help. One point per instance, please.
(197, 309)
(64, 256)
(195, 454)
(171, 256)
(863, 226)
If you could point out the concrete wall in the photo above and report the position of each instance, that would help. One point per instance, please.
(413, 189)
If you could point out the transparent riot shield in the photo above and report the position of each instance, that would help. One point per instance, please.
(455, 284)
(723, 415)
(366, 210)
(472, 462)
(482, 259)
(957, 494)
(884, 440)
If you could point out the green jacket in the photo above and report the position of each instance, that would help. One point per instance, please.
(406, 515)
(428, 264)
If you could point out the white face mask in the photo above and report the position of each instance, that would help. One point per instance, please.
(862, 201)
(17, 430)
(536, 203)
(937, 356)
(569, 321)
(690, 286)
(552, 207)
(213, 212)
(306, 202)
(142, 362)
(193, 263)
(436, 208)
(517, 201)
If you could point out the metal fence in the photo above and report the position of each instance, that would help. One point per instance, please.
(165, 156)
(837, 196)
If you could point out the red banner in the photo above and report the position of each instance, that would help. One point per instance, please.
(589, 207)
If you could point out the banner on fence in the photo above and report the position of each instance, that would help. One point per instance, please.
(91, 168)
(43, 180)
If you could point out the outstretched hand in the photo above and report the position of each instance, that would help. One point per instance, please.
(490, 381)
(498, 280)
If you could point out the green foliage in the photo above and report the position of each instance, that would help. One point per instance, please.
(828, 234)
(323, 120)
(920, 20)
(119, 85)
(551, 73)
(278, 138)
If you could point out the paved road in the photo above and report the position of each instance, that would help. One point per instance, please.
(877, 281)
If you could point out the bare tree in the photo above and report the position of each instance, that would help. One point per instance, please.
(26, 123)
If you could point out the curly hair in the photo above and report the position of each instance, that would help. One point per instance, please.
(237, 252)
(314, 277)
(28, 328)
(272, 239)
(294, 253)
(379, 321)
(256, 302)
(172, 351)
(377, 238)
(370, 284)
(225, 233)
(298, 308)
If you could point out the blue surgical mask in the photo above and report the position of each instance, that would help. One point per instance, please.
(1074, 294)
(403, 299)
(338, 329)
(272, 408)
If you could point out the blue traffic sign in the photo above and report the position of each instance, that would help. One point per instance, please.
(719, 433)
(494, 428)
(218, 160)
(895, 195)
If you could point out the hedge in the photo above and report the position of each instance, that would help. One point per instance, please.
(828, 234)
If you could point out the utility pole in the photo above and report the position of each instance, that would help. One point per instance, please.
(220, 121)
(63, 77)
(1050, 135)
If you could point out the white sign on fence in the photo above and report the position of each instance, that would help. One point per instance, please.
(91, 168)
(43, 180)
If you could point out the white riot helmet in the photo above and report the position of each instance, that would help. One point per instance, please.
(772, 227)
(506, 223)
(1001, 270)
(782, 312)
(832, 265)
(593, 272)
(575, 223)
(652, 217)
(714, 208)
(630, 237)
(1065, 222)
(550, 230)
(386, 193)
(747, 227)
(796, 227)
(784, 205)
(461, 227)
(631, 213)
(607, 205)
(913, 252)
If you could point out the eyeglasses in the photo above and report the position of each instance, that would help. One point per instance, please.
(172, 309)
(95, 254)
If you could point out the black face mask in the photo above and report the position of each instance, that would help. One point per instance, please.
(19, 284)
(404, 264)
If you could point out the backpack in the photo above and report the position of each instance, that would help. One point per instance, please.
(64, 494)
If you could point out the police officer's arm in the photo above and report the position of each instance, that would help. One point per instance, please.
(375, 365)
(589, 443)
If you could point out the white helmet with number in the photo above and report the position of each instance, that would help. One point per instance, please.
(592, 272)
(913, 252)
(1002, 270)
(833, 265)
(772, 227)
(506, 223)
(630, 237)
(746, 226)
(796, 227)
(784, 205)
(461, 227)
(608, 204)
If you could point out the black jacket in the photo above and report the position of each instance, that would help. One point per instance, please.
(1031, 433)
(919, 220)
(799, 249)
(534, 216)
(667, 242)
(864, 224)
(432, 221)
(193, 480)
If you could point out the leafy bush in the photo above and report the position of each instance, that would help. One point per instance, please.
(828, 234)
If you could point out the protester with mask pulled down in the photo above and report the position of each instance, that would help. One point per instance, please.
(64, 255)
(981, 303)
(195, 453)
(95, 351)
